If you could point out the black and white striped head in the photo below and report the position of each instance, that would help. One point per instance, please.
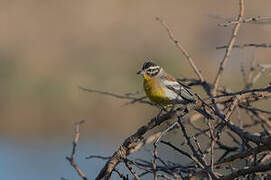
(150, 68)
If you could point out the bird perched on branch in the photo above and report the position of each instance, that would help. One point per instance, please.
(163, 89)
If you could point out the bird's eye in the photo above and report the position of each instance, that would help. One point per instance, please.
(152, 71)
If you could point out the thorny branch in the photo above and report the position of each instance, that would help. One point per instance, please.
(214, 157)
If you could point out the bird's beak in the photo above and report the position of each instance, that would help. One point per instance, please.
(140, 72)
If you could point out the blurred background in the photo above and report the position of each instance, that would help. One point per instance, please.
(49, 48)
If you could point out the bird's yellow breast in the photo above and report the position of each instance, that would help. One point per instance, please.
(154, 91)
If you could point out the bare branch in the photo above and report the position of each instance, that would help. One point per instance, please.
(179, 150)
(131, 169)
(244, 154)
(246, 171)
(262, 45)
(118, 96)
(124, 149)
(250, 20)
(71, 158)
(181, 48)
(229, 48)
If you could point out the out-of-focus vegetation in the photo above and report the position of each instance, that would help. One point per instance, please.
(48, 48)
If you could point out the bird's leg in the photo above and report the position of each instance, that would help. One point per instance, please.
(160, 112)
(161, 109)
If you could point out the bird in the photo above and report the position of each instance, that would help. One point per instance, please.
(162, 88)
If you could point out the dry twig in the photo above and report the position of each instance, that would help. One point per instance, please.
(182, 49)
(71, 158)
(229, 48)
(262, 45)
(250, 20)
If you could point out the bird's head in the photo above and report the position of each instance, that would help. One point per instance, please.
(149, 70)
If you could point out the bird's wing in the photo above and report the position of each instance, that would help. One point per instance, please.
(179, 89)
